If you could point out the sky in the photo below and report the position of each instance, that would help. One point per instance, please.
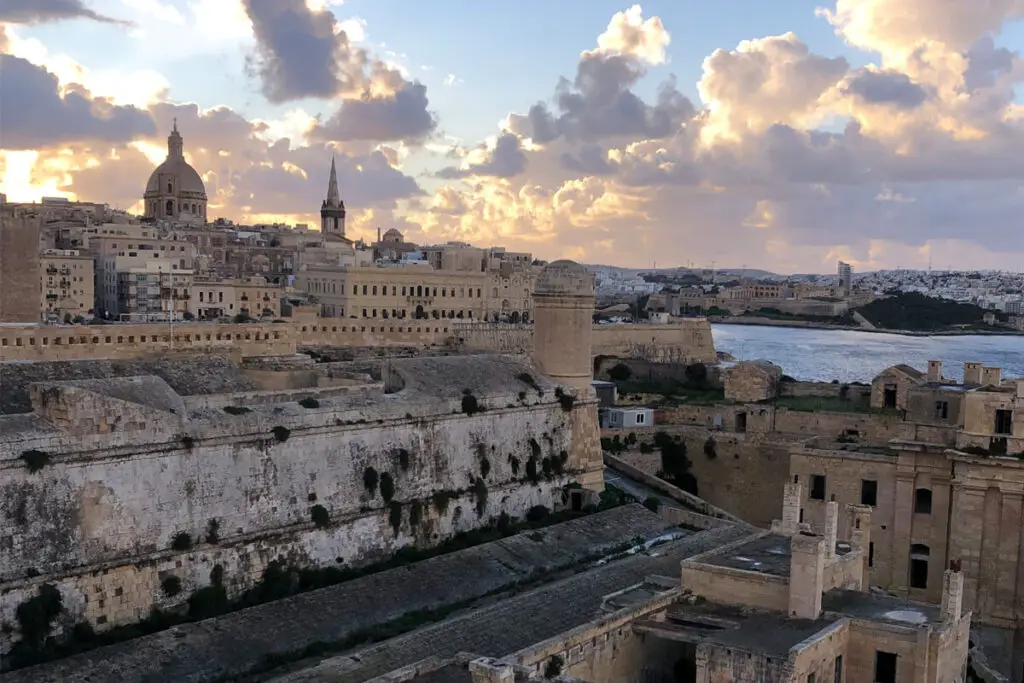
(777, 135)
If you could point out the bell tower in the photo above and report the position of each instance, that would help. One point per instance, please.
(332, 211)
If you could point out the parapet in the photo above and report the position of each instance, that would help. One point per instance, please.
(565, 278)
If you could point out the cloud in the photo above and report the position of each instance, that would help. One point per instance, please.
(504, 161)
(39, 11)
(885, 87)
(36, 114)
(302, 52)
(402, 115)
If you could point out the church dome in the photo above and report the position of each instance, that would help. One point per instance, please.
(188, 179)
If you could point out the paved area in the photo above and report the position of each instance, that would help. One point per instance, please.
(518, 622)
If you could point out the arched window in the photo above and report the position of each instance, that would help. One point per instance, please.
(170, 188)
(419, 290)
(170, 207)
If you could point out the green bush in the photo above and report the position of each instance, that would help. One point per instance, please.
(171, 586)
(281, 433)
(620, 372)
(320, 516)
(652, 503)
(395, 516)
(387, 487)
(236, 410)
(35, 460)
(470, 406)
(181, 542)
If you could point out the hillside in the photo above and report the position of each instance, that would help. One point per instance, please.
(913, 311)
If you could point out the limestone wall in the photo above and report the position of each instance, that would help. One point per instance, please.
(100, 518)
(685, 341)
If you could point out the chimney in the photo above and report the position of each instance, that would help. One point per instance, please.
(934, 371)
(991, 376)
(378, 234)
(1020, 388)
(860, 538)
(790, 523)
(972, 373)
(487, 670)
(806, 576)
(952, 593)
(831, 527)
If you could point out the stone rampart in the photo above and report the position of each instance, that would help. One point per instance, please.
(685, 341)
(108, 489)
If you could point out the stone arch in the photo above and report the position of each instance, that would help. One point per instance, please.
(420, 314)
(526, 316)
(169, 207)
(514, 318)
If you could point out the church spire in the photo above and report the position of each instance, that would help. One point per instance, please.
(175, 145)
(333, 196)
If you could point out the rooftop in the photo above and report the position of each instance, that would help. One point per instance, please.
(765, 554)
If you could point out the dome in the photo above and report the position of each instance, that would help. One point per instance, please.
(188, 180)
(564, 278)
(392, 235)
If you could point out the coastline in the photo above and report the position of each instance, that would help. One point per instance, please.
(814, 325)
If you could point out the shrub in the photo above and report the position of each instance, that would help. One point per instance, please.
(646, 447)
(171, 586)
(470, 405)
(620, 372)
(188, 442)
(522, 395)
(527, 379)
(567, 401)
(213, 532)
(480, 496)
(403, 459)
(441, 500)
(631, 439)
(181, 541)
(652, 503)
(395, 516)
(537, 513)
(209, 601)
(415, 513)
(534, 447)
(553, 669)
(320, 516)
(370, 480)
(281, 433)
(36, 615)
(711, 448)
(309, 402)
(485, 467)
(546, 467)
(217, 575)
(35, 460)
(531, 470)
(236, 410)
(387, 487)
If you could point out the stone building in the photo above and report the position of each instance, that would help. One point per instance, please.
(752, 381)
(210, 299)
(138, 277)
(175, 192)
(66, 279)
(19, 265)
(277, 456)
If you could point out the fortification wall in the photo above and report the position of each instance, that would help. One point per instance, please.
(99, 519)
(685, 341)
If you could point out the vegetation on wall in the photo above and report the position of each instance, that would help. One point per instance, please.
(213, 532)
(531, 470)
(553, 669)
(181, 542)
(480, 496)
(470, 405)
(387, 487)
(527, 379)
(675, 466)
(395, 516)
(620, 372)
(281, 433)
(171, 586)
(320, 516)
(566, 400)
(370, 481)
(236, 410)
(35, 460)
(513, 463)
(309, 402)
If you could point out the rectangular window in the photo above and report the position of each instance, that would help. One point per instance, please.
(923, 501)
(871, 554)
(918, 573)
(838, 678)
(941, 410)
(1004, 422)
(817, 487)
(885, 667)
(869, 492)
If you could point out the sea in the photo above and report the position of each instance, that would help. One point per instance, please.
(816, 355)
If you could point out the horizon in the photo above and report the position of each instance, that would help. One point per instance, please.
(782, 138)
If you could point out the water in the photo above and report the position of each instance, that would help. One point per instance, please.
(825, 355)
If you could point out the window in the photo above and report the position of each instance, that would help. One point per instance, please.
(923, 501)
(869, 492)
(817, 487)
(838, 678)
(871, 553)
(1004, 422)
(919, 554)
(640, 418)
(885, 667)
(941, 410)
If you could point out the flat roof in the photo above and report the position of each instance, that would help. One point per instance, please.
(876, 607)
(767, 554)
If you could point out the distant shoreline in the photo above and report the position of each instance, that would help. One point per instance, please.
(809, 324)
